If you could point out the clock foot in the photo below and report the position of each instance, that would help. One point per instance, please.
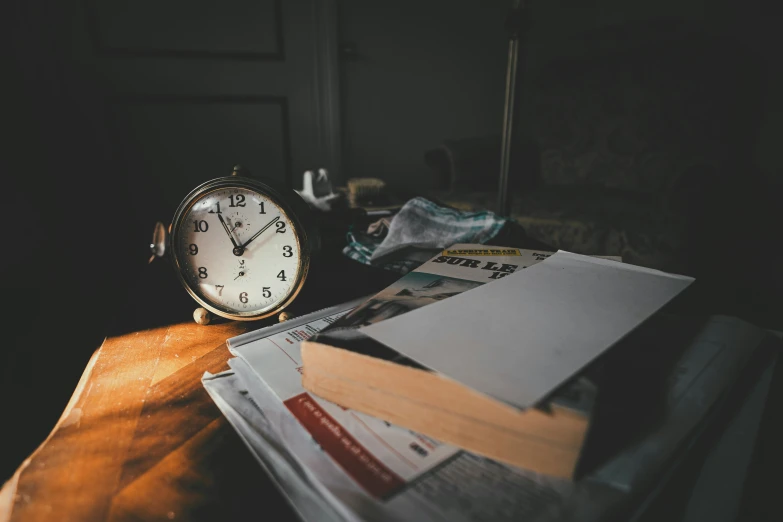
(202, 316)
(284, 316)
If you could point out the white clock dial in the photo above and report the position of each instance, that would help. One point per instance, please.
(239, 251)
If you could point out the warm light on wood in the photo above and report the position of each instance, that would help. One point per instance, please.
(138, 432)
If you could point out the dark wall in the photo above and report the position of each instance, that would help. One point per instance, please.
(65, 257)
(422, 72)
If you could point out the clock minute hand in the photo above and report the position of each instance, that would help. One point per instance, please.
(260, 232)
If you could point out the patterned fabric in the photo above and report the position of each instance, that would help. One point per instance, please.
(361, 246)
(420, 227)
(604, 222)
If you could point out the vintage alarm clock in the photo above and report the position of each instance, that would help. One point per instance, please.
(241, 248)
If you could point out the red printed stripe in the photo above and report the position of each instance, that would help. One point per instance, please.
(360, 464)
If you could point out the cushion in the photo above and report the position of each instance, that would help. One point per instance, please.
(594, 221)
(597, 221)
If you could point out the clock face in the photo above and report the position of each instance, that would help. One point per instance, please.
(238, 251)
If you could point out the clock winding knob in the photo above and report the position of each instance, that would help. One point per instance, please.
(239, 170)
(159, 240)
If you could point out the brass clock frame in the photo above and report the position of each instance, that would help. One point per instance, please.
(294, 208)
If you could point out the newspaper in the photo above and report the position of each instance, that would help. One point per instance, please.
(453, 271)
(336, 464)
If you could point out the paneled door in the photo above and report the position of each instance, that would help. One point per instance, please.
(198, 86)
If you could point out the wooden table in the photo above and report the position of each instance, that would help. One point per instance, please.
(140, 438)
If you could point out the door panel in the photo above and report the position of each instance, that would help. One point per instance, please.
(199, 86)
(197, 28)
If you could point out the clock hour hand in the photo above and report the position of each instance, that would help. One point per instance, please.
(238, 250)
(260, 232)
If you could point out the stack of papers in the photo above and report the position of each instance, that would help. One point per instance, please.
(367, 469)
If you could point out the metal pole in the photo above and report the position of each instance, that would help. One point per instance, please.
(513, 24)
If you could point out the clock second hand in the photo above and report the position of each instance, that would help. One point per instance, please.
(243, 246)
(238, 250)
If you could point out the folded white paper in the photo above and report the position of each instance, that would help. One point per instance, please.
(518, 338)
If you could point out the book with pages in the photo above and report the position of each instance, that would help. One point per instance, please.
(345, 365)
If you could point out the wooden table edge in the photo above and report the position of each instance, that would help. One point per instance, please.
(8, 492)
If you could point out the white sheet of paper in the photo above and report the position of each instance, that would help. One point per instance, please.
(518, 338)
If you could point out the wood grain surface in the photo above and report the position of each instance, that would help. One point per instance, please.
(140, 438)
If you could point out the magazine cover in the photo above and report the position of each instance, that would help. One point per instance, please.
(451, 272)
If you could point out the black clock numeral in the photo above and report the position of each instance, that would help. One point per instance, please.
(262, 208)
(281, 275)
(193, 249)
(200, 226)
(240, 201)
(280, 227)
(220, 292)
(213, 211)
(243, 297)
(266, 292)
(287, 251)
(202, 272)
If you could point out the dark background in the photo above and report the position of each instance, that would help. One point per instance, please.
(113, 111)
